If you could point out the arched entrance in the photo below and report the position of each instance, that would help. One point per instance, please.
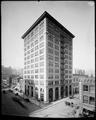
(31, 91)
(36, 93)
(50, 95)
(28, 91)
(73, 91)
(66, 91)
(56, 93)
(62, 92)
(70, 90)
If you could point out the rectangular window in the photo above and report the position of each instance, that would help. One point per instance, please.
(42, 57)
(56, 76)
(65, 51)
(41, 70)
(70, 53)
(70, 48)
(70, 76)
(36, 53)
(92, 89)
(70, 67)
(66, 56)
(56, 82)
(57, 53)
(41, 38)
(28, 47)
(50, 82)
(50, 44)
(36, 48)
(66, 46)
(36, 29)
(41, 44)
(50, 37)
(41, 51)
(36, 42)
(92, 100)
(85, 87)
(41, 76)
(70, 62)
(41, 25)
(66, 71)
(28, 57)
(85, 99)
(56, 70)
(50, 70)
(41, 63)
(66, 66)
(41, 31)
(56, 64)
(50, 50)
(70, 72)
(36, 82)
(56, 41)
(66, 76)
(32, 71)
(56, 47)
(36, 36)
(50, 64)
(32, 50)
(24, 49)
(70, 58)
(32, 55)
(50, 76)
(31, 33)
(57, 59)
(36, 59)
(36, 65)
(36, 71)
(36, 76)
(32, 44)
(41, 82)
(50, 57)
(32, 60)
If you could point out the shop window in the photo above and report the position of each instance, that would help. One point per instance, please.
(85, 99)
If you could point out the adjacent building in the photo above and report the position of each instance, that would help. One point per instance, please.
(75, 82)
(48, 60)
(84, 86)
(87, 95)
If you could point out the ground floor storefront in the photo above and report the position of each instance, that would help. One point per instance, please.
(88, 113)
(49, 93)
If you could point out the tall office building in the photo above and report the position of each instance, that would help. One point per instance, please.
(47, 60)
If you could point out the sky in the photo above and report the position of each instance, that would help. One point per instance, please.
(77, 16)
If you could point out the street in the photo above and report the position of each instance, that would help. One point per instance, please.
(11, 107)
(57, 109)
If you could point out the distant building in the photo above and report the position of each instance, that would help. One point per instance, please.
(48, 59)
(22, 85)
(5, 83)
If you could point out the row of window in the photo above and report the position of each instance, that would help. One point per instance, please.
(50, 76)
(34, 31)
(34, 76)
(90, 88)
(89, 100)
(32, 66)
(29, 46)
